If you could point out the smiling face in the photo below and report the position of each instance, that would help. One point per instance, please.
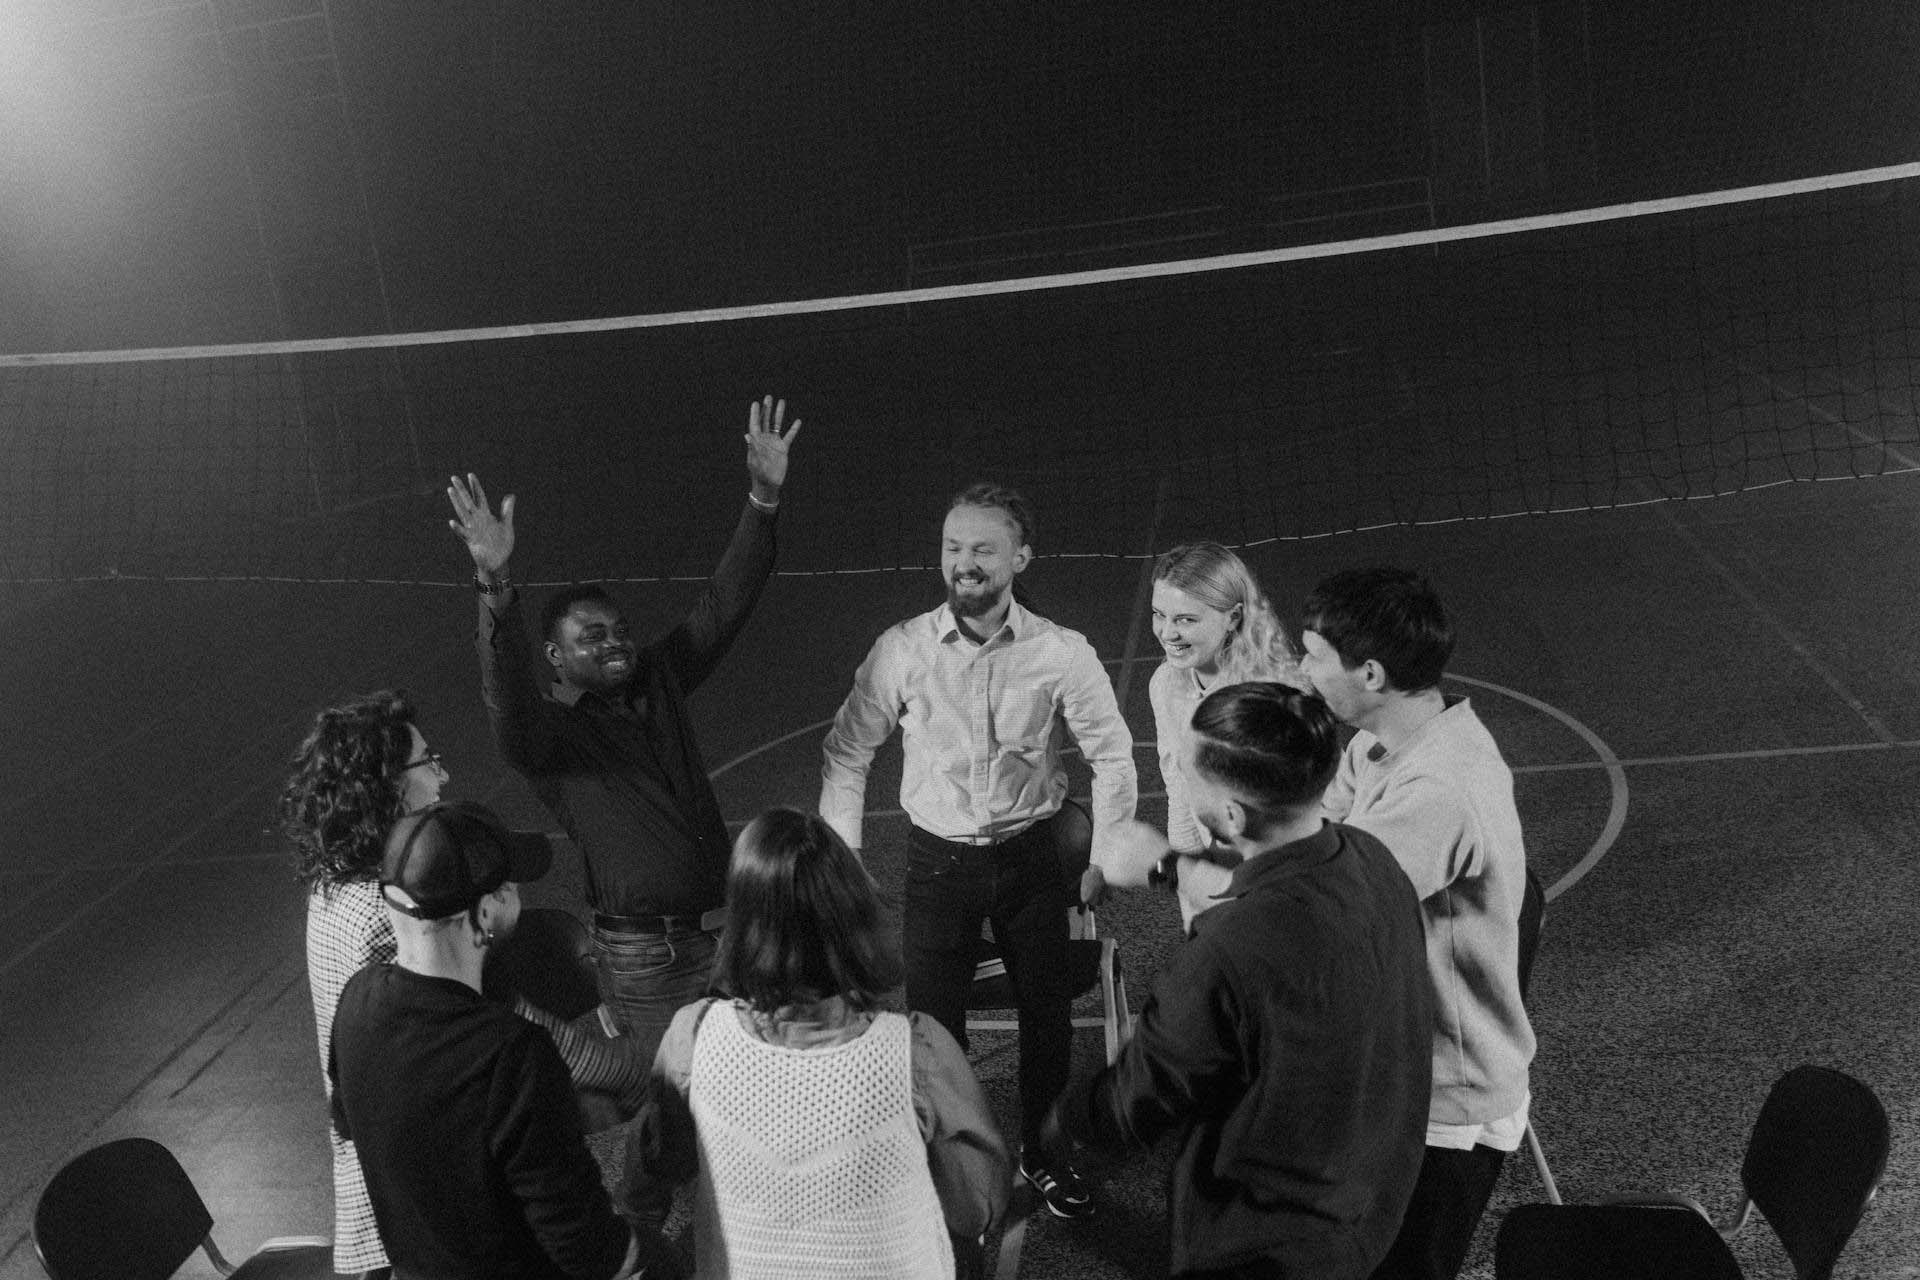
(592, 647)
(1191, 633)
(979, 555)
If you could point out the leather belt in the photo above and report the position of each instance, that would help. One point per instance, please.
(710, 921)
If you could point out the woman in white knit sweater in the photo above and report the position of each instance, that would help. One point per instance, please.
(828, 1137)
(1216, 628)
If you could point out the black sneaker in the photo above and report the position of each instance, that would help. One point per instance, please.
(1059, 1186)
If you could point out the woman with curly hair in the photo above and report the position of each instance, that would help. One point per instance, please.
(361, 766)
(1216, 628)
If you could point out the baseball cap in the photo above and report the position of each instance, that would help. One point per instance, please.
(448, 856)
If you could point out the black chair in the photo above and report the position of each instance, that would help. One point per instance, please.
(128, 1211)
(1813, 1165)
(1609, 1242)
(1093, 962)
(1533, 916)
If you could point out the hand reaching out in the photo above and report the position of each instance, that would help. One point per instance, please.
(489, 538)
(767, 446)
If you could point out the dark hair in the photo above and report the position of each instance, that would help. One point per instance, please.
(345, 789)
(1274, 746)
(1389, 616)
(803, 919)
(565, 598)
(1000, 497)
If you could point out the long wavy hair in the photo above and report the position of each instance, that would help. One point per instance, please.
(803, 919)
(346, 786)
(1257, 649)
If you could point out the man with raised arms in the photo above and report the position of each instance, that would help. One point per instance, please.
(599, 726)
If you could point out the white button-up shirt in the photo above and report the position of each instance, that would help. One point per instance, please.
(977, 724)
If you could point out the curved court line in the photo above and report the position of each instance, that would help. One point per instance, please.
(1616, 775)
(1616, 780)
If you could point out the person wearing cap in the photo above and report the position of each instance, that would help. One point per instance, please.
(610, 748)
(462, 1112)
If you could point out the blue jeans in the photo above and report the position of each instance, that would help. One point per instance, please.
(646, 977)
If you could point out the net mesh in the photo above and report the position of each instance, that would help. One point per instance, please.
(1569, 366)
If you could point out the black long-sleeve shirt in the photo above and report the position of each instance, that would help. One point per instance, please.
(1290, 1040)
(623, 776)
(467, 1130)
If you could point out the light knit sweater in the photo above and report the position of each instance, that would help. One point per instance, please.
(811, 1160)
(1443, 805)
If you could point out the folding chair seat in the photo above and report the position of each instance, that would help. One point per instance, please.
(1093, 962)
(1814, 1164)
(127, 1211)
(1609, 1242)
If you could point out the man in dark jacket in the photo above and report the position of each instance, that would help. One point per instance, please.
(1289, 1038)
(461, 1111)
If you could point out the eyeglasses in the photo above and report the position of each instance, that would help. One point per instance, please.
(429, 760)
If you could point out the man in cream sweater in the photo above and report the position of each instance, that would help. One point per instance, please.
(1424, 776)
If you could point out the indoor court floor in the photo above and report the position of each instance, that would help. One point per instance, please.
(1712, 707)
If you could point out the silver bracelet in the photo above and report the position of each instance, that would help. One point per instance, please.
(763, 506)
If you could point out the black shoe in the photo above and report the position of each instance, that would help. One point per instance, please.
(1059, 1186)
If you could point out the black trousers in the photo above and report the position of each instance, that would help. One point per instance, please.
(1017, 886)
(1448, 1199)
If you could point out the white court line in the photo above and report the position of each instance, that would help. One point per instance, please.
(1800, 648)
(1616, 781)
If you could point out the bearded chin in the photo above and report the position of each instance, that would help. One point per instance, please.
(972, 606)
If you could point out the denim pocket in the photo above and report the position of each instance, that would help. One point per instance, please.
(633, 956)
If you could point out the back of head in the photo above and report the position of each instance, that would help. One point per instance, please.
(560, 602)
(1273, 746)
(1258, 649)
(446, 857)
(803, 919)
(1010, 502)
(1390, 616)
(345, 788)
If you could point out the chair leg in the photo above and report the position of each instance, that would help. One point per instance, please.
(1540, 1163)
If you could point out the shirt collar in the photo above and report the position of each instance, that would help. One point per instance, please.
(947, 627)
(1449, 702)
(1297, 855)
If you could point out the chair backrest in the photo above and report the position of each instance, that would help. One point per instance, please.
(548, 959)
(1073, 841)
(1818, 1150)
(1533, 916)
(1610, 1242)
(122, 1211)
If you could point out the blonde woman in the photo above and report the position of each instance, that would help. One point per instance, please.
(1216, 627)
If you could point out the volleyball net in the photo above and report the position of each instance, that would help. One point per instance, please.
(1679, 349)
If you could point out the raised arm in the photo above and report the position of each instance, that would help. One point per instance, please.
(695, 647)
(865, 720)
(508, 682)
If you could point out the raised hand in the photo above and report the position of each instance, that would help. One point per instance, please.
(767, 446)
(489, 538)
